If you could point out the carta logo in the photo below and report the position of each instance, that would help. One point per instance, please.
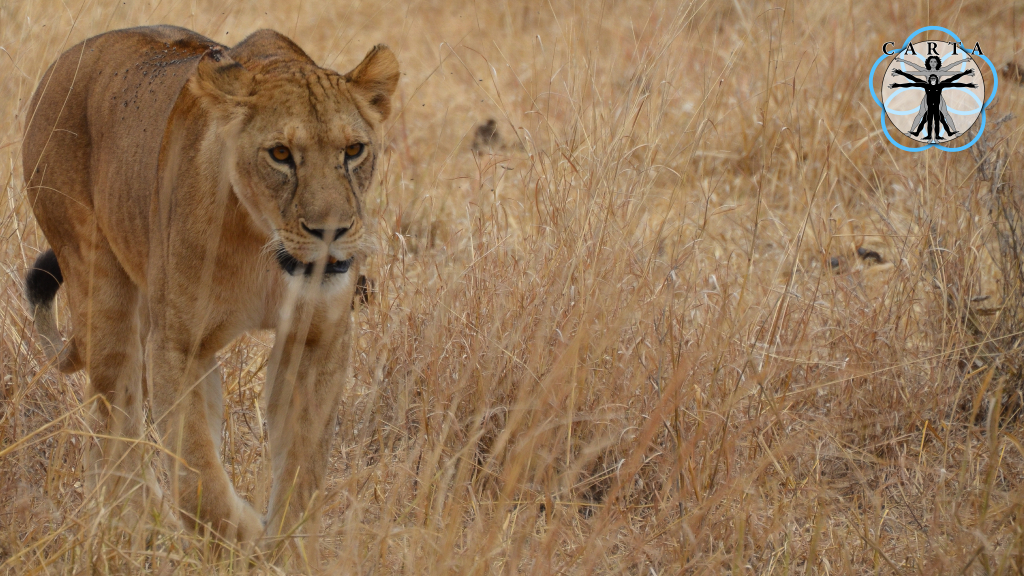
(933, 91)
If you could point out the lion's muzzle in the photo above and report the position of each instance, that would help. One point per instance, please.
(294, 267)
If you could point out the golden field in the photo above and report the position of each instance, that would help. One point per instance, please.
(688, 313)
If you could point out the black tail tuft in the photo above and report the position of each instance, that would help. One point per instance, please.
(43, 279)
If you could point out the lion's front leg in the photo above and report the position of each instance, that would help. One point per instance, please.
(309, 366)
(181, 382)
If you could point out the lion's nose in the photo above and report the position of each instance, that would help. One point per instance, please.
(319, 232)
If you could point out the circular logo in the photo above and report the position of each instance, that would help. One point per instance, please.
(933, 91)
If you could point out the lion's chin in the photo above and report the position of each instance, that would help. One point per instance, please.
(295, 267)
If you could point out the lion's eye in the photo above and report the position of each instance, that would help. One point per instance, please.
(353, 150)
(281, 154)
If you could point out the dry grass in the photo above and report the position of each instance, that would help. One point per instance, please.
(636, 335)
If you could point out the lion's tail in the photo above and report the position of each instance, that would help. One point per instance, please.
(41, 284)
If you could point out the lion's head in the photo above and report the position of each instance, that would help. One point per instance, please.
(305, 143)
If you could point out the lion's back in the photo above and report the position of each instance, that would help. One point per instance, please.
(96, 122)
(128, 75)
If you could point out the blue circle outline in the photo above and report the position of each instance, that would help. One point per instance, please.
(984, 109)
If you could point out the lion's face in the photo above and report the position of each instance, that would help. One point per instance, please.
(305, 158)
(305, 148)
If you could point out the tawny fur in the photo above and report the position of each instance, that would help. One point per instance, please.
(148, 167)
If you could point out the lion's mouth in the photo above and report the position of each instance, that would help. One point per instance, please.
(294, 267)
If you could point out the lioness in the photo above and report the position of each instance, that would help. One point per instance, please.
(191, 192)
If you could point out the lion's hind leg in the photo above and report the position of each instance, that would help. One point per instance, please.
(105, 319)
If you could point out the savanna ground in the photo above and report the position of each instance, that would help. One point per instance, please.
(688, 312)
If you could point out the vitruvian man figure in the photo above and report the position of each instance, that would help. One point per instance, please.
(933, 65)
(934, 107)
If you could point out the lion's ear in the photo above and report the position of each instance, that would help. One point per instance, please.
(375, 79)
(219, 81)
